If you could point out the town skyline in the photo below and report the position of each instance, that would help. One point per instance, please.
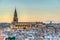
(30, 10)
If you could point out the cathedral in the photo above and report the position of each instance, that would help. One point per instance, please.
(16, 24)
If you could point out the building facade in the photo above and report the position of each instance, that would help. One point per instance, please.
(16, 24)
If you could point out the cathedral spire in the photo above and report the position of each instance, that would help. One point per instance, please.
(15, 19)
(15, 13)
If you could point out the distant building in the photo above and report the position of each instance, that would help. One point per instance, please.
(15, 19)
(50, 22)
(4, 26)
(16, 24)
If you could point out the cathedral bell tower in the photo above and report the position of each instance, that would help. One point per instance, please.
(15, 18)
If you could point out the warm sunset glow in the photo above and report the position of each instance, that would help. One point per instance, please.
(30, 10)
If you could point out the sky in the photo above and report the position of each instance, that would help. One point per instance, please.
(30, 10)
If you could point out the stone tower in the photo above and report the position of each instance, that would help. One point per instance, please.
(15, 18)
